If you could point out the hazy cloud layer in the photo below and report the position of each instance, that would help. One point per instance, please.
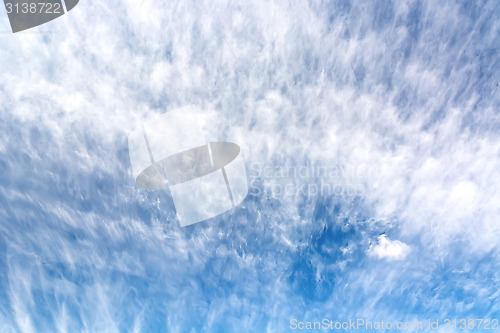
(398, 98)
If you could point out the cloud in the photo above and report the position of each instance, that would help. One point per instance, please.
(391, 250)
(403, 97)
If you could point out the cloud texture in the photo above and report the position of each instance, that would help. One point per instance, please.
(401, 97)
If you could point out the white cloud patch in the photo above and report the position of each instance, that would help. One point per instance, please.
(388, 249)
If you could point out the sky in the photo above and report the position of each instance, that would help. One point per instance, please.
(370, 132)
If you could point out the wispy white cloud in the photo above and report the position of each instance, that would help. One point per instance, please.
(403, 97)
(386, 248)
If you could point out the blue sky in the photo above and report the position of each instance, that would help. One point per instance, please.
(400, 100)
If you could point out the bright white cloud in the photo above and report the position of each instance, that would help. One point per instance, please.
(389, 249)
